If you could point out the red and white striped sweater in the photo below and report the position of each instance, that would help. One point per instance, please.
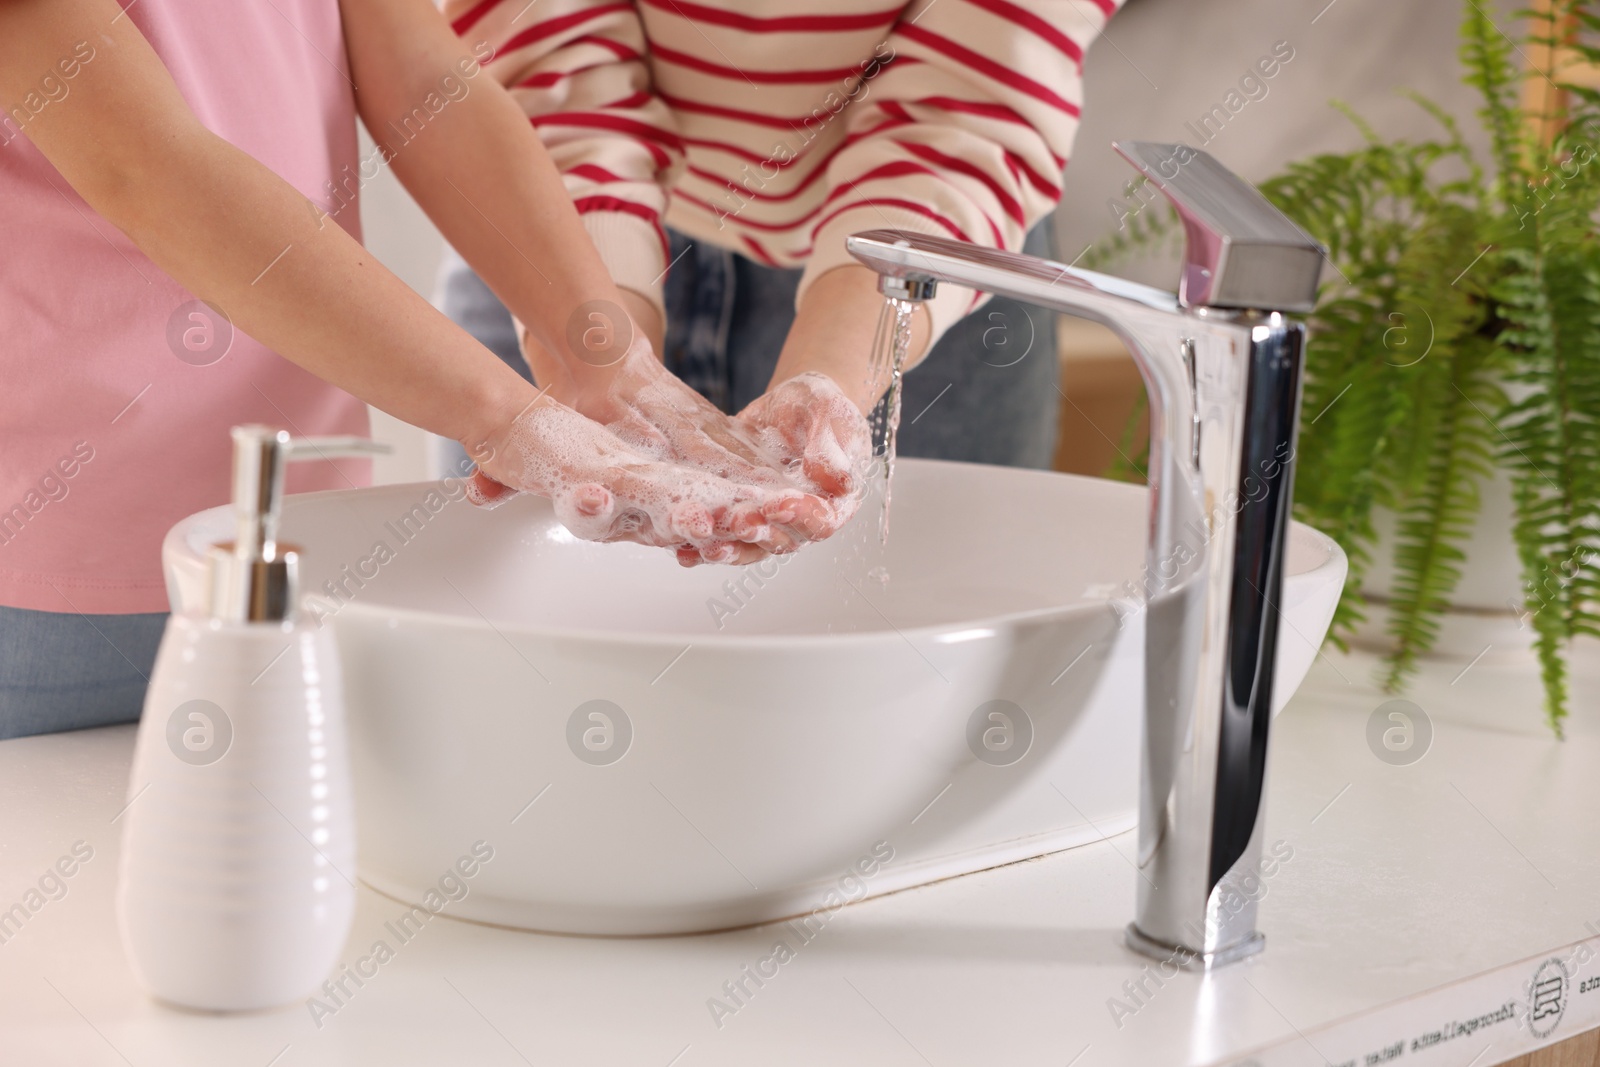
(776, 128)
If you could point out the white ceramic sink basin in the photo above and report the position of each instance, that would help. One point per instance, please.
(650, 750)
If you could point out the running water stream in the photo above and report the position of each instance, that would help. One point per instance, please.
(890, 347)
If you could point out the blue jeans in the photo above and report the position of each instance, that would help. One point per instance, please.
(986, 393)
(62, 671)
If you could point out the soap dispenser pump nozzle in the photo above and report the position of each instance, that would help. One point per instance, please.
(255, 577)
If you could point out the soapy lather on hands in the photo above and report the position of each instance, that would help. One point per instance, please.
(606, 489)
(795, 456)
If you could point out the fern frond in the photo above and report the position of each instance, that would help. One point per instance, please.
(1434, 292)
(1472, 184)
(1551, 307)
(1435, 522)
(1486, 54)
(1142, 227)
(1441, 452)
(1340, 459)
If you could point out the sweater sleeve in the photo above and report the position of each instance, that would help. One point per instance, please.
(963, 132)
(578, 68)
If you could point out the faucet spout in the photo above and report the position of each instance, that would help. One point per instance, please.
(1221, 362)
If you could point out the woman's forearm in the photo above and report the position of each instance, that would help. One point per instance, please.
(834, 332)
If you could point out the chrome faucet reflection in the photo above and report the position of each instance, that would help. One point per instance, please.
(1221, 363)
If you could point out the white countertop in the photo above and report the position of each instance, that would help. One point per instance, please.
(1416, 897)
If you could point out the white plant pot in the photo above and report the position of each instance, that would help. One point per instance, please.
(1486, 610)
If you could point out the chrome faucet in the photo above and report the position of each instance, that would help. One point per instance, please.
(1221, 363)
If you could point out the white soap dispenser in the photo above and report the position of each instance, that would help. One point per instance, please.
(237, 879)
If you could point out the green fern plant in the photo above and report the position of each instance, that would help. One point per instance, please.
(1460, 332)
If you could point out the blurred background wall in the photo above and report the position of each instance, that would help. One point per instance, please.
(1161, 66)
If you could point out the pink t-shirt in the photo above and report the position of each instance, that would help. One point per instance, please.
(117, 389)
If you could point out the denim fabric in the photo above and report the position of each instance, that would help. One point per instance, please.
(68, 671)
(986, 393)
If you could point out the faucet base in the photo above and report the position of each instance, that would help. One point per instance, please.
(1188, 959)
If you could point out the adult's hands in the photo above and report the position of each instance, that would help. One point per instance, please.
(612, 375)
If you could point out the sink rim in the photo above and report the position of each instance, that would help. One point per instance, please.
(178, 545)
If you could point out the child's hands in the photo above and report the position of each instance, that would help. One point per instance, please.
(647, 406)
(605, 490)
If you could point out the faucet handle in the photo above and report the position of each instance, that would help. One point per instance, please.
(1242, 252)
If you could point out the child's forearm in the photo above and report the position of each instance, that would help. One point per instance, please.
(466, 152)
(235, 234)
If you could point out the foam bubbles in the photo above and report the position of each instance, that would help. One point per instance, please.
(604, 490)
(654, 462)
